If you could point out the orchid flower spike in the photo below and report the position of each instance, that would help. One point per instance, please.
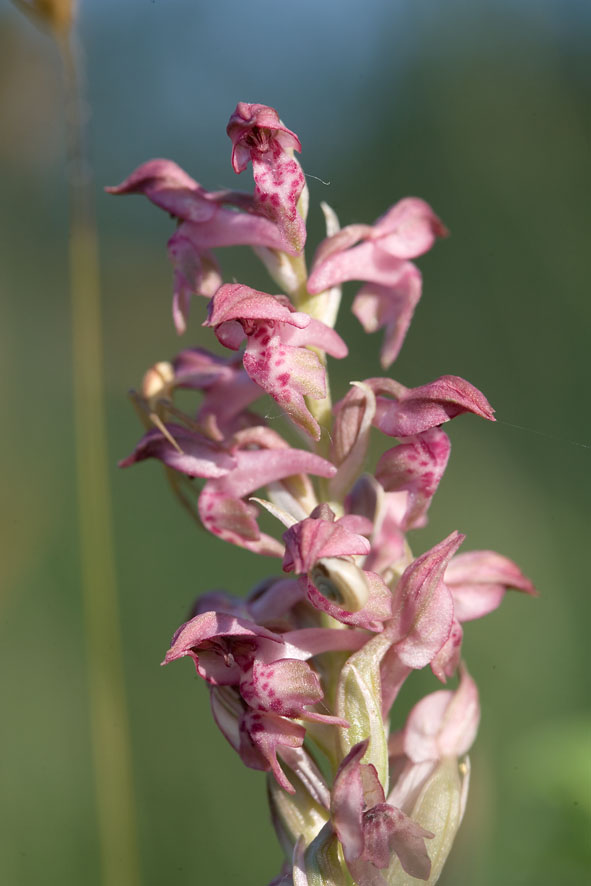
(313, 658)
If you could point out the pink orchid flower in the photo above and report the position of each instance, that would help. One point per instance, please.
(415, 466)
(270, 603)
(228, 390)
(205, 223)
(442, 725)
(379, 254)
(184, 450)
(422, 620)
(370, 830)
(415, 410)
(277, 355)
(221, 507)
(259, 136)
(269, 671)
(477, 581)
(320, 549)
(390, 308)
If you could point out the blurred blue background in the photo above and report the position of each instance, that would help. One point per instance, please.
(483, 109)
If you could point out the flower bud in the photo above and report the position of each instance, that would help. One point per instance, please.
(354, 415)
(157, 381)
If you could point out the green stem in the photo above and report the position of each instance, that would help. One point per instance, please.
(313, 305)
(106, 686)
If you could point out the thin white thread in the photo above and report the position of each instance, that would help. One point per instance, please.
(316, 178)
(544, 434)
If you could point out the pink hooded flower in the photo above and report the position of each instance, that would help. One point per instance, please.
(320, 550)
(477, 581)
(353, 416)
(370, 830)
(221, 507)
(259, 136)
(390, 308)
(228, 390)
(273, 683)
(415, 410)
(423, 617)
(189, 452)
(415, 466)
(277, 355)
(206, 223)
(379, 255)
(442, 725)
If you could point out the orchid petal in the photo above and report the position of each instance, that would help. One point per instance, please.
(417, 466)
(478, 581)
(193, 455)
(265, 734)
(364, 600)
(444, 723)
(220, 507)
(221, 645)
(313, 538)
(405, 231)
(415, 410)
(234, 301)
(253, 127)
(365, 261)
(353, 419)
(169, 187)
(387, 830)
(288, 374)
(347, 802)
(408, 229)
(390, 307)
(446, 661)
(283, 687)
(422, 605)
(195, 272)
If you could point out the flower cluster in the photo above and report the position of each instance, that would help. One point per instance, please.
(314, 657)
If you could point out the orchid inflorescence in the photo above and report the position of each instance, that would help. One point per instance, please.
(313, 659)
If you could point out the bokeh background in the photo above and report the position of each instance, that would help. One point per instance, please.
(481, 108)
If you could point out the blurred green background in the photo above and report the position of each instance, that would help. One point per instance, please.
(483, 109)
